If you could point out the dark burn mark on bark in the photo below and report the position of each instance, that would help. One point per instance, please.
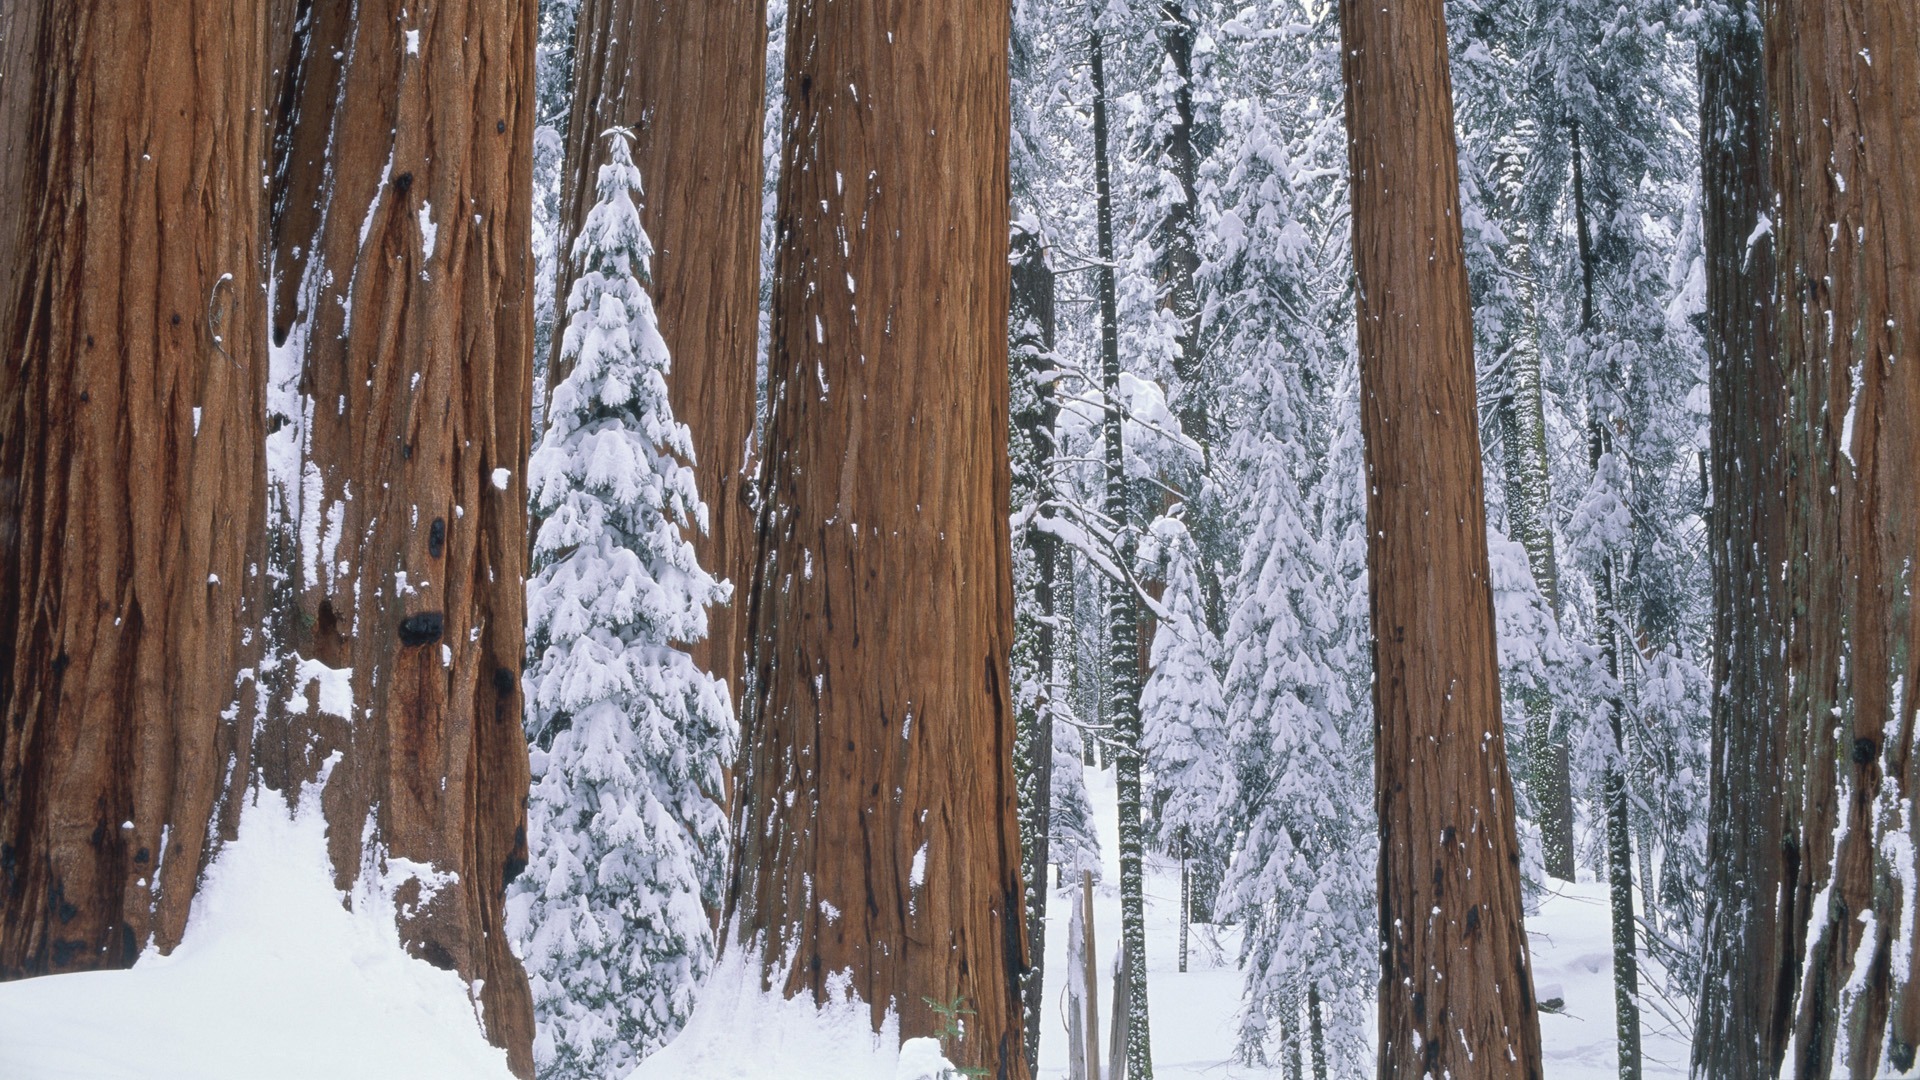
(403, 184)
(516, 858)
(66, 951)
(437, 537)
(437, 954)
(1864, 751)
(421, 628)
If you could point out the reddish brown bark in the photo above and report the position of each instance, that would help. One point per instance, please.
(402, 224)
(688, 80)
(875, 824)
(132, 488)
(1456, 986)
(1752, 927)
(1844, 83)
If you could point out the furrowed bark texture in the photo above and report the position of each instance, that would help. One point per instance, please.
(875, 820)
(132, 483)
(1844, 85)
(1751, 964)
(689, 80)
(1456, 986)
(403, 205)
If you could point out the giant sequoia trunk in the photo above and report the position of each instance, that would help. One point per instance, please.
(1843, 80)
(687, 79)
(1751, 947)
(401, 226)
(132, 484)
(1456, 985)
(875, 818)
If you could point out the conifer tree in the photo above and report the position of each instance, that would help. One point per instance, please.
(626, 832)
(1183, 714)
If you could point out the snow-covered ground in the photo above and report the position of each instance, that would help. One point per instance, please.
(275, 980)
(1194, 1013)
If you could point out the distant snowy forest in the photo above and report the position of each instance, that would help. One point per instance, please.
(918, 539)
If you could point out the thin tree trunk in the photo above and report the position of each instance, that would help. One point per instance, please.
(1747, 985)
(876, 824)
(1123, 620)
(1523, 420)
(1035, 411)
(1613, 782)
(1179, 253)
(1090, 973)
(1186, 903)
(1316, 1034)
(132, 478)
(402, 223)
(688, 80)
(1456, 985)
(1843, 81)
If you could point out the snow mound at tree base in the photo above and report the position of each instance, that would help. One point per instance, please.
(742, 1032)
(275, 980)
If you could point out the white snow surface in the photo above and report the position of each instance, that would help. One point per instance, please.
(742, 1032)
(275, 979)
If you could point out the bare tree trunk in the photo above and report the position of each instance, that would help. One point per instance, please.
(132, 478)
(1186, 903)
(876, 820)
(402, 207)
(688, 80)
(1124, 662)
(1751, 963)
(1843, 81)
(1456, 985)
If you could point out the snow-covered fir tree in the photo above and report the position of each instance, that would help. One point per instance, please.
(1183, 717)
(625, 828)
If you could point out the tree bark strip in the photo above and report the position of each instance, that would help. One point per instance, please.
(1843, 80)
(1746, 1004)
(875, 824)
(132, 484)
(688, 80)
(1456, 985)
(402, 225)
